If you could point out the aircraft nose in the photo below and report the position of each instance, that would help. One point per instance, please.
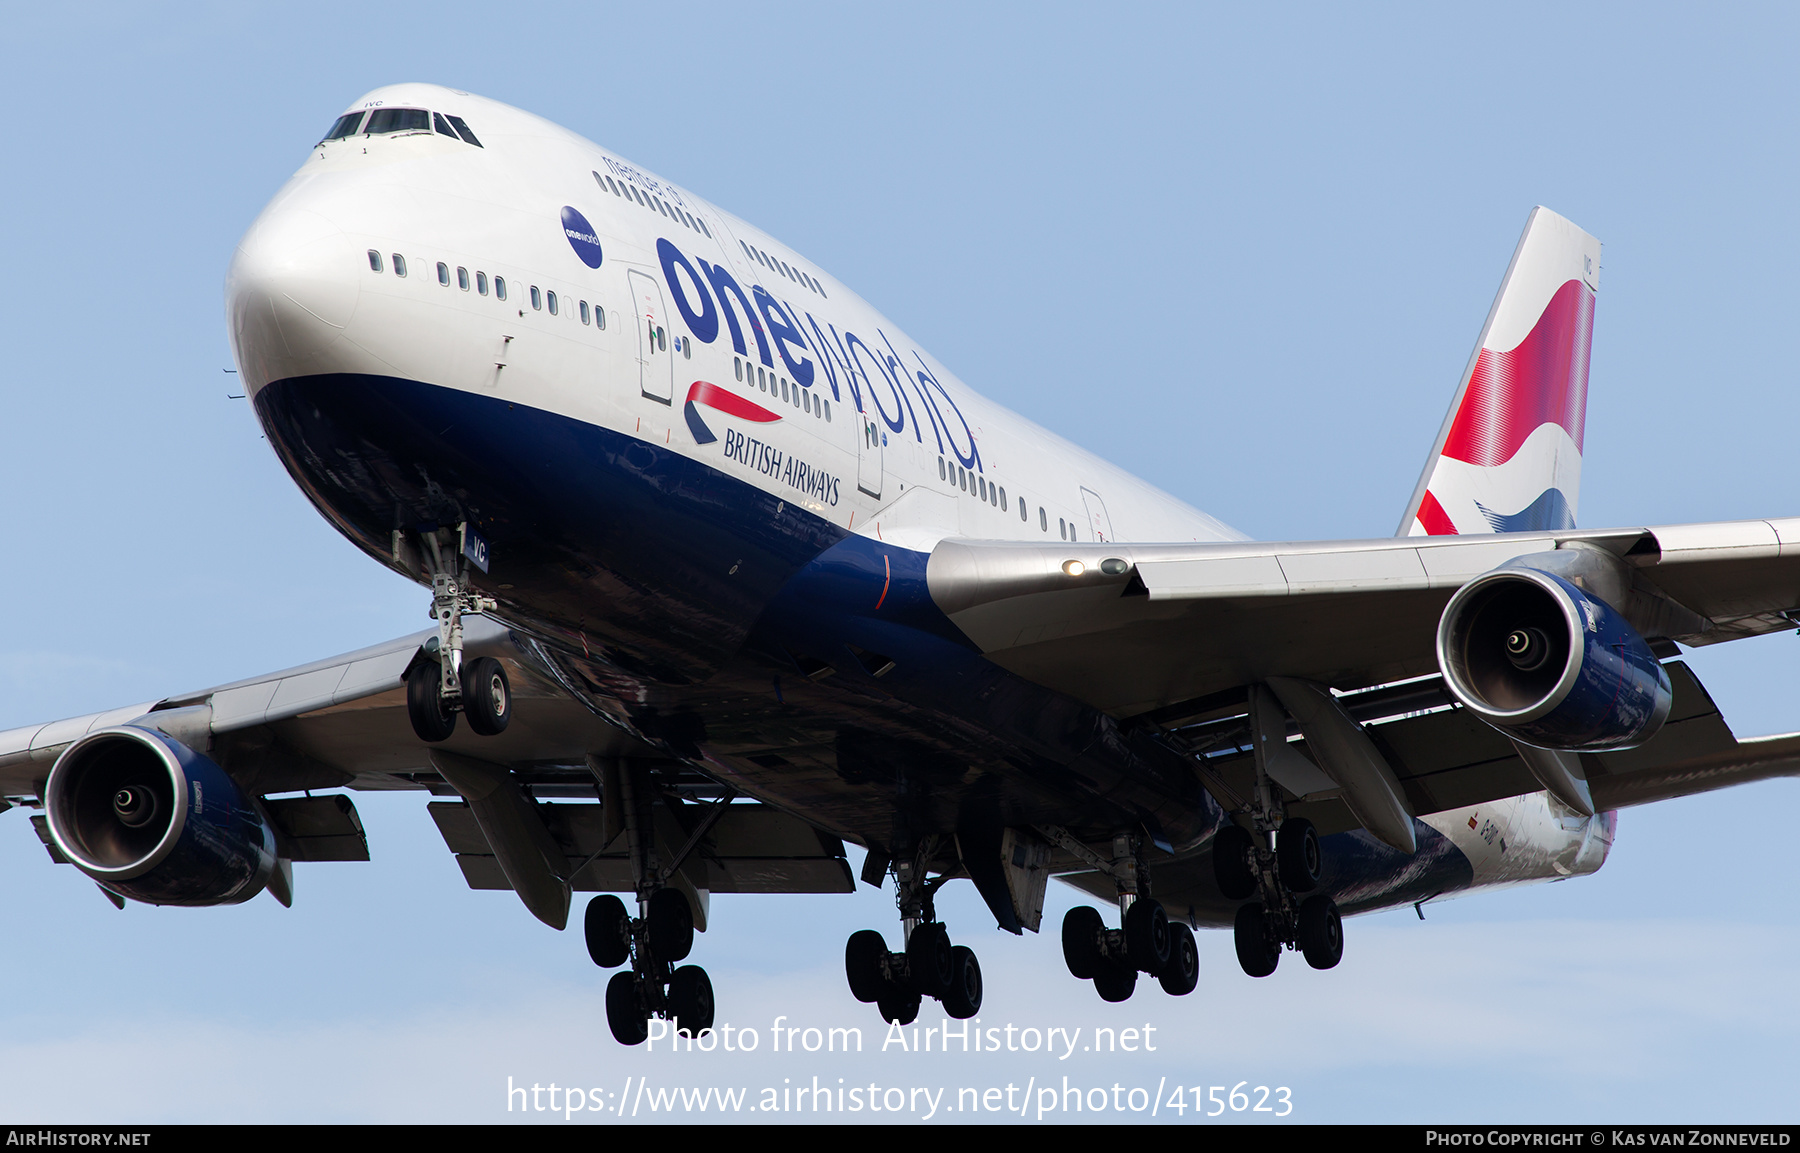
(290, 293)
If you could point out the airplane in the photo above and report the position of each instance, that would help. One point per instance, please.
(725, 572)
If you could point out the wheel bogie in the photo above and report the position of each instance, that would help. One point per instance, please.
(899, 1008)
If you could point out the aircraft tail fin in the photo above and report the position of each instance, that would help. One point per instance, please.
(1508, 458)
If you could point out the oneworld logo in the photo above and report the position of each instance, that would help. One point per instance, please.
(582, 237)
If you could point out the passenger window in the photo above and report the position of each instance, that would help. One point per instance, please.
(993, 494)
(462, 279)
(962, 477)
(806, 400)
(1024, 512)
(662, 339)
(1043, 519)
(346, 126)
(384, 120)
(1062, 529)
(746, 249)
(584, 312)
(640, 198)
(704, 231)
(374, 261)
(760, 381)
(443, 274)
(552, 297)
(537, 299)
(687, 348)
(462, 130)
(827, 405)
(599, 317)
(784, 388)
(1003, 499)
(737, 366)
(661, 207)
(981, 487)
(500, 287)
(438, 122)
(940, 468)
(399, 265)
(481, 283)
(690, 220)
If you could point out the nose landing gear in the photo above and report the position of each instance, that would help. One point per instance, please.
(440, 688)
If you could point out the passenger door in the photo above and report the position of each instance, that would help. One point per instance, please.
(656, 368)
(1099, 524)
(868, 454)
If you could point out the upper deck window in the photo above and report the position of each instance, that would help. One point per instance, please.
(346, 126)
(384, 120)
(462, 130)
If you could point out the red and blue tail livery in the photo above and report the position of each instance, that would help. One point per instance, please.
(1509, 456)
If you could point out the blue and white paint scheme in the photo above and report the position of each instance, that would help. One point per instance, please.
(726, 520)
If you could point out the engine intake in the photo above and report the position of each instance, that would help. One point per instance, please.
(153, 820)
(1549, 665)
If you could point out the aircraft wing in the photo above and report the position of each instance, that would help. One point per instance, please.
(1135, 628)
(342, 723)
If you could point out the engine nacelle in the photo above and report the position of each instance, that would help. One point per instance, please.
(1549, 665)
(153, 820)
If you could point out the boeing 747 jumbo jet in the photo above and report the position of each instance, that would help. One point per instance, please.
(727, 571)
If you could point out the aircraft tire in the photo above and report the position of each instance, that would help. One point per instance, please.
(624, 1016)
(930, 959)
(1321, 932)
(691, 997)
(432, 720)
(963, 1000)
(899, 1008)
(1182, 974)
(605, 925)
(862, 965)
(487, 696)
(1257, 949)
(1081, 929)
(1231, 862)
(671, 926)
(1147, 935)
(1115, 982)
(1297, 855)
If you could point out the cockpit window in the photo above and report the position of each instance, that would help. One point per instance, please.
(345, 126)
(398, 120)
(462, 130)
(443, 127)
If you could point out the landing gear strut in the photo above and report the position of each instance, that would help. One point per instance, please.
(1148, 942)
(1279, 864)
(439, 688)
(652, 942)
(928, 965)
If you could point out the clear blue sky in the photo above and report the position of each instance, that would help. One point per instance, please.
(1243, 252)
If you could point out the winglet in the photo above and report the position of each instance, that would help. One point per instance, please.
(1508, 458)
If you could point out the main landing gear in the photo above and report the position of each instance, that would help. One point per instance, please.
(928, 965)
(654, 941)
(1287, 911)
(1148, 942)
(439, 688)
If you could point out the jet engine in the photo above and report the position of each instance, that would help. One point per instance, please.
(153, 820)
(1549, 665)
